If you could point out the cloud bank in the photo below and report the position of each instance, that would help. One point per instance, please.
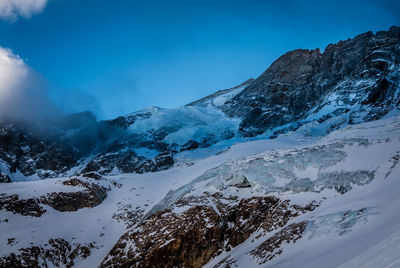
(13, 9)
(23, 93)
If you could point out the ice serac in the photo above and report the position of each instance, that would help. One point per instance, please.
(358, 77)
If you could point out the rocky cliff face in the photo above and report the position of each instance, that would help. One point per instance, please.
(191, 238)
(23, 151)
(363, 72)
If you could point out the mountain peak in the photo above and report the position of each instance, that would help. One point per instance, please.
(229, 93)
(300, 79)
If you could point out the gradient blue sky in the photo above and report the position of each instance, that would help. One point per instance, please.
(114, 57)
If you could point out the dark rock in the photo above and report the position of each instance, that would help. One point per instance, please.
(190, 145)
(192, 238)
(70, 201)
(272, 247)
(128, 162)
(299, 81)
(244, 183)
(4, 178)
(24, 207)
(93, 196)
(23, 150)
(92, 175)
(58, 253)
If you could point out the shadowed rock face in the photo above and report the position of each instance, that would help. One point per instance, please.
(4, 178)
(53, 149)
(128, 162)
(23, 150)
(272, 246)
(193, 237)
(24, 207)
(57, 253)
(300, 79)
(92, 195)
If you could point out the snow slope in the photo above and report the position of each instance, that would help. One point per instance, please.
(346, 229)
(355, 224)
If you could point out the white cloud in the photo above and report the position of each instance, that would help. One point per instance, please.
(13, 71)
(23, 94)
(12, 9)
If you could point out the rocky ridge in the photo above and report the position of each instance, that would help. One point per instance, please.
(358, 78)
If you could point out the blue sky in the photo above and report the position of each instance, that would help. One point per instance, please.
(115, 57)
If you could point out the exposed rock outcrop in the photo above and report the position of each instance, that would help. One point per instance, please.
(92, 195)
(193, 237)
(57, 253)
(271, 247)
(24, 151)
(4, 178)
(25, 207)
(366, 68)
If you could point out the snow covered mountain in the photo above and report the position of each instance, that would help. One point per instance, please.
(288, 201)
(353, 81)
(298, 167)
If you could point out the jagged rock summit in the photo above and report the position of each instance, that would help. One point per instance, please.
(361, 74)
